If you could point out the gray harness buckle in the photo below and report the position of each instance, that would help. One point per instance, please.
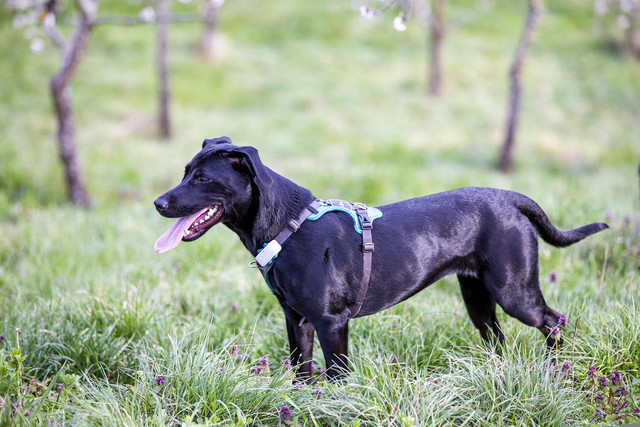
(293, 225)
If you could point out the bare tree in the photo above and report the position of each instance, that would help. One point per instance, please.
(436, 36)
(206, 46)
(73, 52)
(533, 14)
(432, 14)
(164, 119)
(632, 42)
(613, 16)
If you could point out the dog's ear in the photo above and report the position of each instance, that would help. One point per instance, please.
(249, 157)
(214, 141)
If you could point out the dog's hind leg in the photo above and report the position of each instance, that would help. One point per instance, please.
(515, 286)
(525, 302)
(300, 344)
(512, 277)
(481, 307)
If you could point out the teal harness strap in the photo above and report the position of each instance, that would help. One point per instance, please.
(265, 274)
(338, 206)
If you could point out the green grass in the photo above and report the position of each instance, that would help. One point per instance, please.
(337, 104)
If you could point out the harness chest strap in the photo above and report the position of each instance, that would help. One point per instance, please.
(367, 255)
(266, 256)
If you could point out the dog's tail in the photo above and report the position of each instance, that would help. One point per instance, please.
(548, 231)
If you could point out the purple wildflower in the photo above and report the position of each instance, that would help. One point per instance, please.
(256, 371)
(318, 392)
(49, 421)
(313, 367)
(264, 361)
(555, 332)
(615, 377)
(566, 368)
(160, 379)
(286, 363)
(597, 414)
(621, 391)
(284, 413)
(322, 370)
(26, 414)
(394, 324)
(562, 321)
(592, 372)
(636, 412)
(2, 338)
(297, 386)
(234, 350)
(553, 276)
(603, 381)
(599, 396)
(393, 359)
(234, 307)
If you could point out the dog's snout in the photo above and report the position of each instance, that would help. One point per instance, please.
(161, 203)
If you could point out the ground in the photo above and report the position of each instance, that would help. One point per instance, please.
(338, 104)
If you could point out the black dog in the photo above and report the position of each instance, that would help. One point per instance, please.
(488, 237)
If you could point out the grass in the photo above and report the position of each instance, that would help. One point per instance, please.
(337, 104)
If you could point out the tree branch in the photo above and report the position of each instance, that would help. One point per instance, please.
(179, 18)
(50, 30)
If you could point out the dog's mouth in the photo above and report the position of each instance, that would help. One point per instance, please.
(189, 228)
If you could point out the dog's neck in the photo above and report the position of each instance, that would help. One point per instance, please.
(270, 211)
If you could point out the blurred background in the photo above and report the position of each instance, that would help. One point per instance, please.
(338, 96)
(335, 100)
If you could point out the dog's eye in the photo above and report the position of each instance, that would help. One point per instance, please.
(202, 179)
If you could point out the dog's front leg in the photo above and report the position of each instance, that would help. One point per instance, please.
(300, 345)
(333, 336)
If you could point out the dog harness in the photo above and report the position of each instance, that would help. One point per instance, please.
(363, 218)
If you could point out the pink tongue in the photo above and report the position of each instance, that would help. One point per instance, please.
(173, 236)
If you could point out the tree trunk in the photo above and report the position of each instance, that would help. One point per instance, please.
(61, 94)
(164, 119)
(633, 45)
(206, 46)
(533, 14)
(436, 36)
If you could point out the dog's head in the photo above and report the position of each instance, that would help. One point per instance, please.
(218, 183)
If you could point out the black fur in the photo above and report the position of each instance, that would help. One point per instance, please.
(488, 237)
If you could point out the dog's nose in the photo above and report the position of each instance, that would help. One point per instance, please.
(161, 203)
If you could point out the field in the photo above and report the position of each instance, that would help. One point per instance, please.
(107, 332)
